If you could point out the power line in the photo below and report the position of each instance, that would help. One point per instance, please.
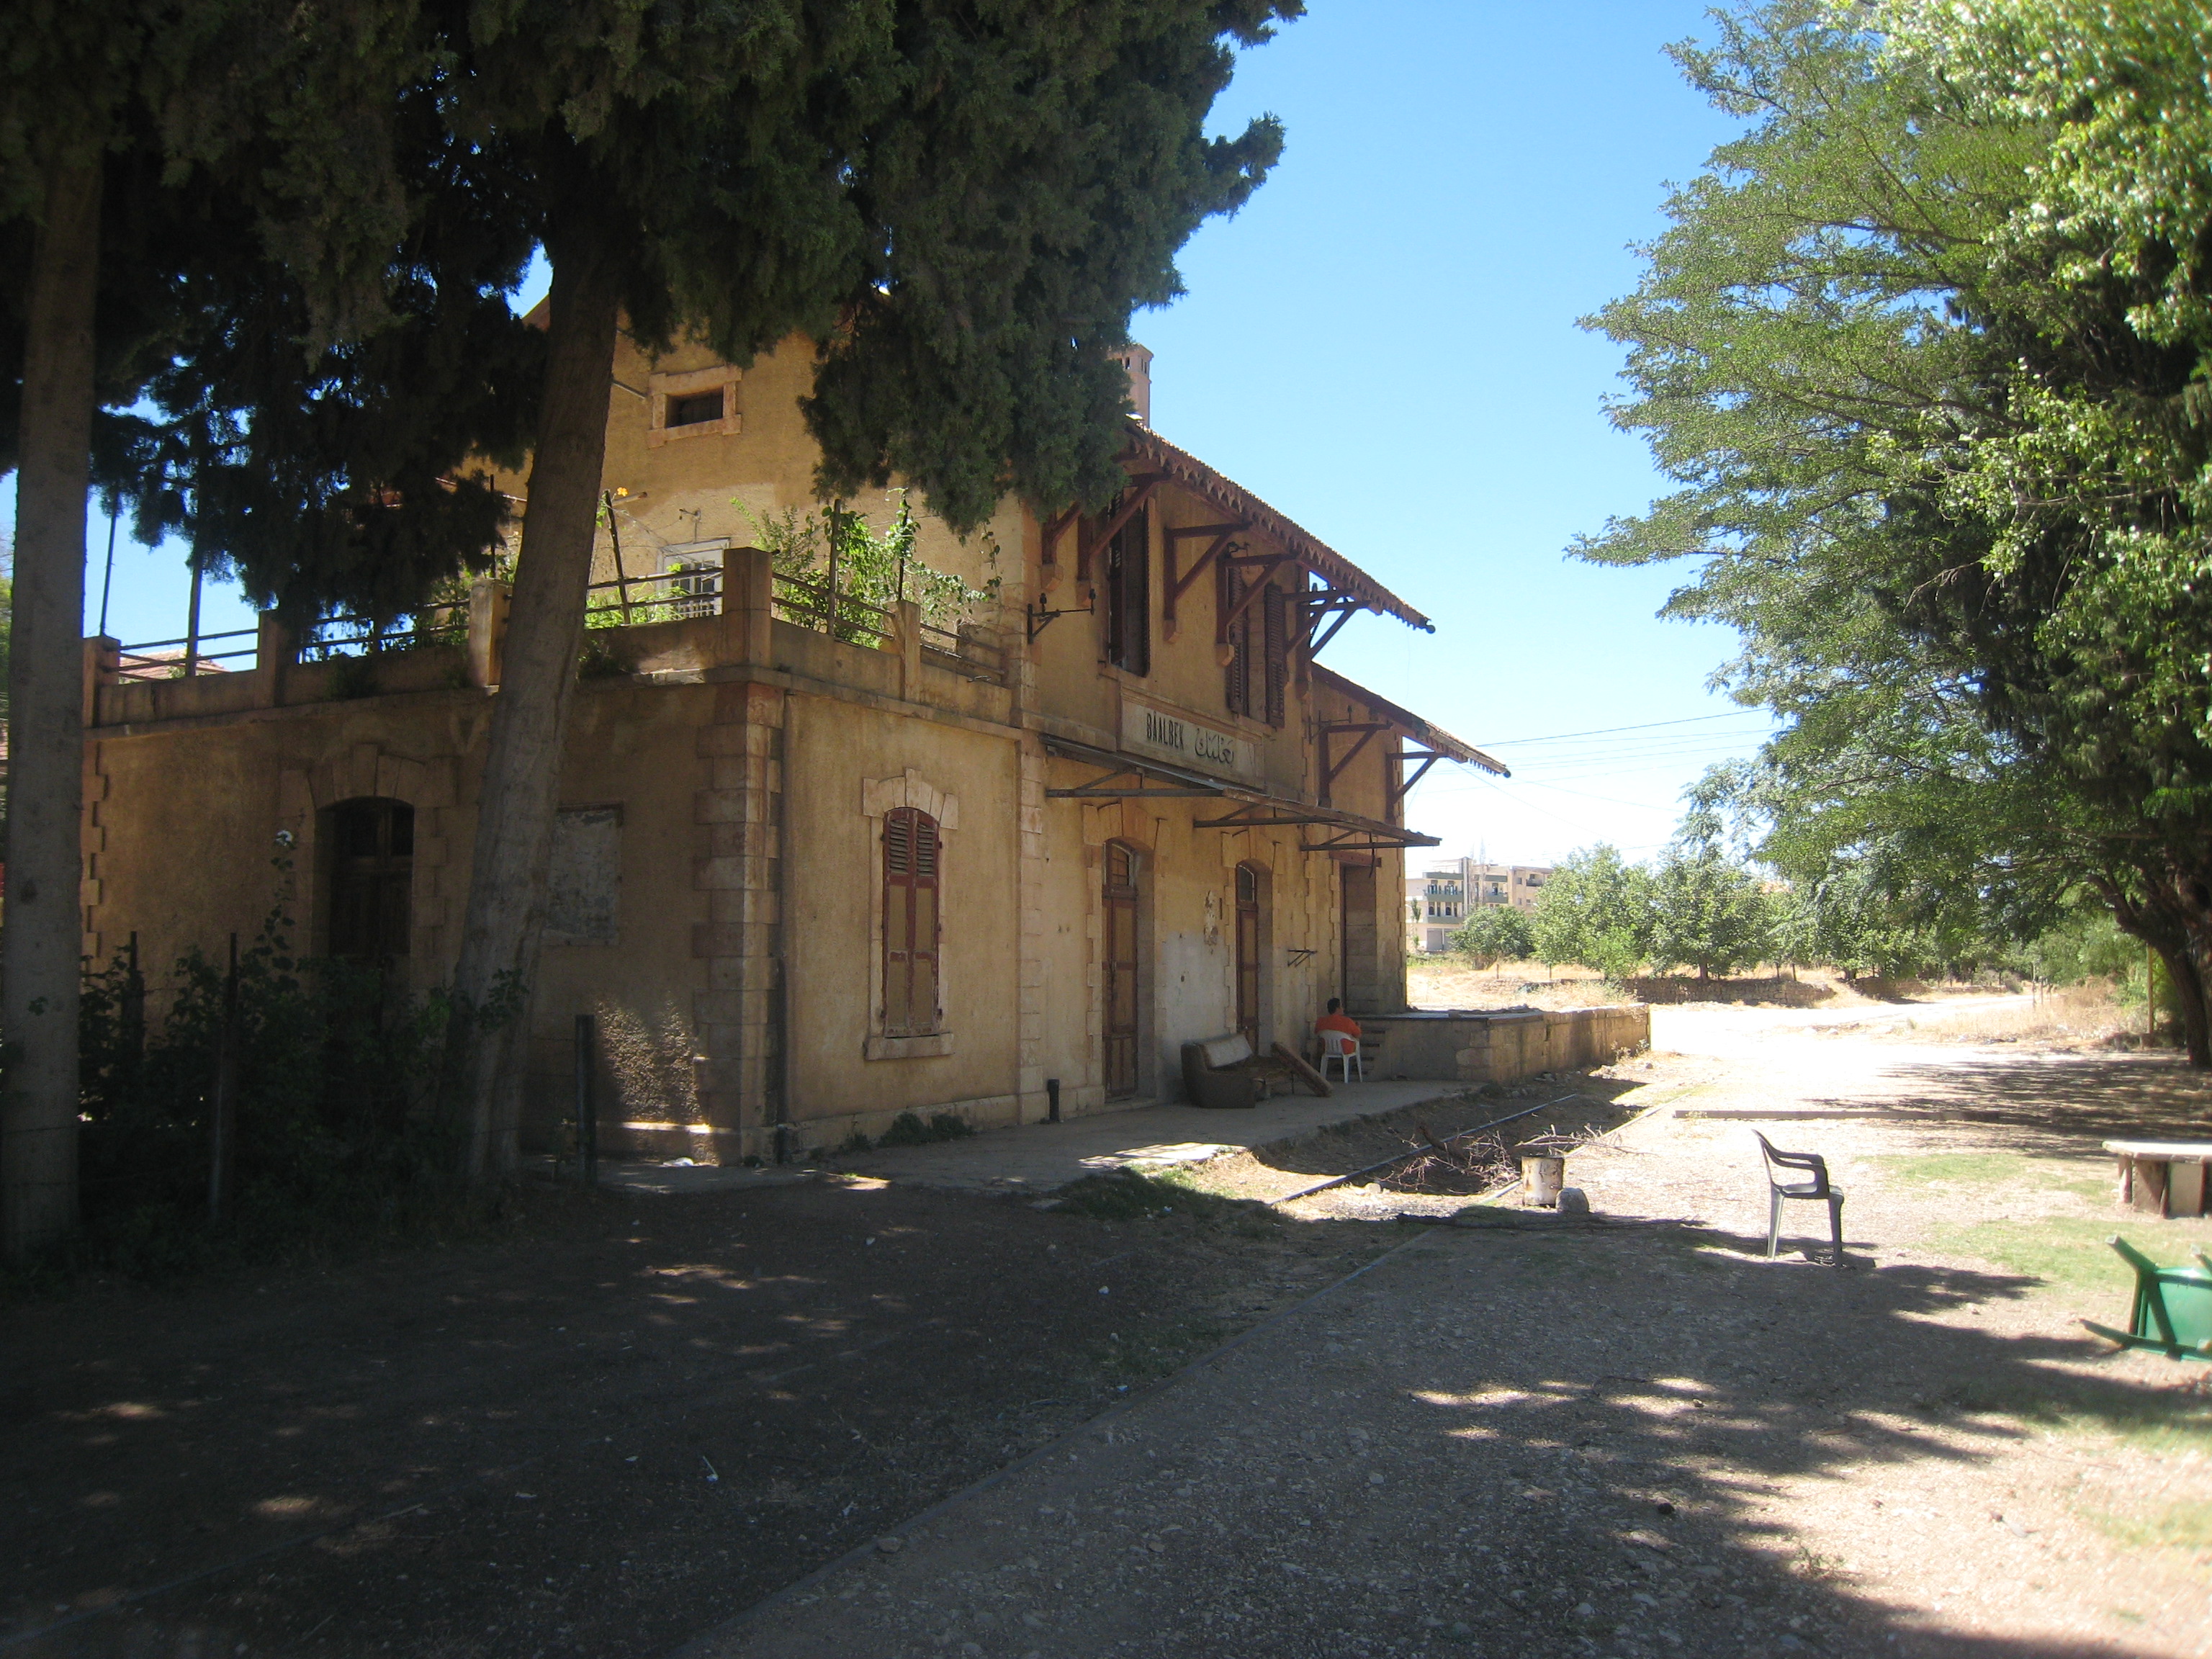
(1607, 731)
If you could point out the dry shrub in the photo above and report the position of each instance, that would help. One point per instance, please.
(2082, 1015)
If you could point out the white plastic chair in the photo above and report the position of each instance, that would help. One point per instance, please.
(1343, 1047)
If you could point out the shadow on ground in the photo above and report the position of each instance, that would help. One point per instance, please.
(1632, 1454)
(613, 1435)
(2082, 1099)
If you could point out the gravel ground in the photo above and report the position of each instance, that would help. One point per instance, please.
(1642, 1437)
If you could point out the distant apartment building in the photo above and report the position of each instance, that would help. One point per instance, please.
(1440, 898)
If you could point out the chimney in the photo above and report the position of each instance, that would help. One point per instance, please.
(1138, 360)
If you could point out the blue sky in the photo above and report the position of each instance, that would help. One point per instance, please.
(1383, 345)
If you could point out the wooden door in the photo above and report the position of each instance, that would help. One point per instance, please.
(1247, 954)
(1361, 942)
(1122, 969)
(371, 879)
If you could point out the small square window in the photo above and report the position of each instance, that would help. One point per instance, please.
(696, 408)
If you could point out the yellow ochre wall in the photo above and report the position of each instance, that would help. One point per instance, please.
(189, 783)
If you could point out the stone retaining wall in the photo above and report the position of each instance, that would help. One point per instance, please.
(1506, 1045)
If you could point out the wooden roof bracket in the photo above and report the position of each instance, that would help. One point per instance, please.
(1053, 528)
(1346, 605)
(1367, 729)
(1175, 586)
(1396, 793)
(1087, 540)
(1267, 564)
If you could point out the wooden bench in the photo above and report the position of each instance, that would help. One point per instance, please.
(2163, 1177)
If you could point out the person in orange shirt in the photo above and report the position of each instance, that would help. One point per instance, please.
(1337, 1020)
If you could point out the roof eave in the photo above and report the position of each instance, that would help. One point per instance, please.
(1147, 447)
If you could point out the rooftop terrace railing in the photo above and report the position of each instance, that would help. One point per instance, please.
(346, 635)
(672, 596)
(967, 651)
(808, 602)
(189, 657)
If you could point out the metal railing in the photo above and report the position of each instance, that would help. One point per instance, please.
(693, 590)
(808, 603)
(364, 636)
(153, 659)
(966, 651)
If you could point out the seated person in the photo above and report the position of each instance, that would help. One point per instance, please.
(1337, 1020)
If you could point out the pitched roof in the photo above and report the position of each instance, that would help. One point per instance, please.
(1150, 452)
(1427, 731)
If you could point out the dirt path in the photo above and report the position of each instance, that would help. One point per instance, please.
(1645, 1438)
(600, 1436)
(638, 1417)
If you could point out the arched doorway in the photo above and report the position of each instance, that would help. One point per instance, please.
(371, 879)
(1123, 965)
(1249, 952)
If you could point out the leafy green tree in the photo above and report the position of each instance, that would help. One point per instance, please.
(1495, 933)
(1707, 913)
(1595, 911)
(961, 203)
(1919, 351)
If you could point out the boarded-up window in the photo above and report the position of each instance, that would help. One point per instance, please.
(583, 893)
(911, 851)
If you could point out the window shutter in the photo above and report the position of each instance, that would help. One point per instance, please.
(1129, 596)
(1275, 606)
(1235, 674)
(911, 923)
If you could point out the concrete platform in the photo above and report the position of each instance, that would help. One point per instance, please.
(1040, 1157)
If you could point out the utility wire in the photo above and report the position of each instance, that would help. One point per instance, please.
(1607, 731)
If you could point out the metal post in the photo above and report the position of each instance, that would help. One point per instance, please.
(836, 534)
(134, 1008)
(588, 1110)
(107, 581)
(622, 577)
(1052, 1100)
(222, 1110)
(192, 622)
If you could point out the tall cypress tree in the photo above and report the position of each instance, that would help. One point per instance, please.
(210, 201)
(963, 199)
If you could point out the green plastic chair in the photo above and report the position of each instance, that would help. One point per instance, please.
(2173, 1312)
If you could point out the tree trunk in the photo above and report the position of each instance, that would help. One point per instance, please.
(2189, 997)
(520, 791)
(2168, 914)
(41, 946)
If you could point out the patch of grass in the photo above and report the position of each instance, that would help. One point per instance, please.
(1991, 1169)
(908, 1130)
(1126, 1195)
(2178, 1527)
(2069, 1253)
(2157, 1422)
